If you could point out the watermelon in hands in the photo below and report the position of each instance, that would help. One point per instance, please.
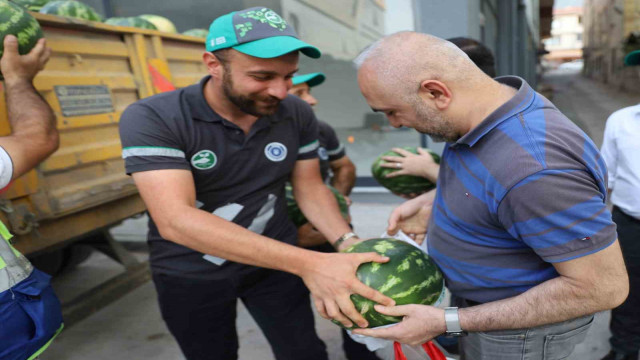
(403, 184)
(15, 20)
(409, 277)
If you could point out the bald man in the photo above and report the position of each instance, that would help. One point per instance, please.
(518, 222)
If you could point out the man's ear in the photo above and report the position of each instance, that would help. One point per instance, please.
(436, 92)
(213, 64)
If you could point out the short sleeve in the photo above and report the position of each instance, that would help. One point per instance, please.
(148, 143)
(308, 135)
(560, 214)
(6, 168)
(335, 149)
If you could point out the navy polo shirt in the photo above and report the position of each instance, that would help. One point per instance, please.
(239, 177)
(524, 189)
(330, 148)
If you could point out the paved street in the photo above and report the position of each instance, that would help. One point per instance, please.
(131, 328)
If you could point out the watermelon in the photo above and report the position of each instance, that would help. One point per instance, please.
(201, 33)
(15, 20)
(296, 215)
(409, 277)
(161, 23)
(131, 22)
(403, 184)
(31, 5)
(71, 8)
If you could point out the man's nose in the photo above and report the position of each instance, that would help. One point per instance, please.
(279, 89)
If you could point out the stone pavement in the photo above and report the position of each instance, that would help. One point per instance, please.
(131, 328)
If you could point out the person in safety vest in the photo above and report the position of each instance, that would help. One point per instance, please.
(30, 315)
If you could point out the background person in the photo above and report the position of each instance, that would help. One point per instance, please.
(620, 148)
(342, 176)
(30, 314)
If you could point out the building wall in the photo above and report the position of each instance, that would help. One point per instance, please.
(565, 43)
(607, 23)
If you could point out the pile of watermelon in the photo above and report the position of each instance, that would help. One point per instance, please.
(409, 277)
(296, 215)
(71, 8)
(17, 21)
(201, 33)
(134, 21)
(79, 10)
(403, 184)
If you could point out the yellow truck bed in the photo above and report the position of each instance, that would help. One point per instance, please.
(95, 72)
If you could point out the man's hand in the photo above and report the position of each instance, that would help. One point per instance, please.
(409, 163)
(420, 324)
(308, 236)
(331, 278)
(16, 67)
(412, 217)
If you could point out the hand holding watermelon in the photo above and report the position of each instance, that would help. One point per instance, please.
(331, 278)
(392, 175)
(420, 323)
(18, 67)
(422, 164)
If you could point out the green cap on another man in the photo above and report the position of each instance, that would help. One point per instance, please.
(258, 32)
(632, 58)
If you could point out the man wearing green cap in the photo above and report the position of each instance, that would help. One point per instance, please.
(619, 151)
(210, 162)
(337, 169)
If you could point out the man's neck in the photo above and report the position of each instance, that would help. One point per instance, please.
(218, 101)
(490, 99)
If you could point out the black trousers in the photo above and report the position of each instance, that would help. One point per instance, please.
(625, 319)
(201, 314)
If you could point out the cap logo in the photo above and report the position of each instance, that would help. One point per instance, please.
(244, 28)
(265, 16)
(220, 40)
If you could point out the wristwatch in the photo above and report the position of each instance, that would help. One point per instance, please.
(453, 323)
(343, 238)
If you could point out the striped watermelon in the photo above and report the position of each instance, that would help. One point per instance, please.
(201, 33)
(136, 22)
(296, 215)
(410, 277)
(31, 5)
(15, 20)
(71, 8)
(161, 23)
(403, 184)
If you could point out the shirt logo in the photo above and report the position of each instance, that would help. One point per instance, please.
(322, 154)
(204, 159)
(275, 151)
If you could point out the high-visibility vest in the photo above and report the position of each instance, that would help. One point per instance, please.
(14, 267)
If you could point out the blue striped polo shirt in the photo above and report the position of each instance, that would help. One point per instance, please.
(524, 189)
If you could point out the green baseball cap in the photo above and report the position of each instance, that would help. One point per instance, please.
(632, 58)
(313, 79)
(257, 31)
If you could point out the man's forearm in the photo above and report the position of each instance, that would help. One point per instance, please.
(209, 234)
(29, 114)
(321, 208)
(553, 301)
(343, 180)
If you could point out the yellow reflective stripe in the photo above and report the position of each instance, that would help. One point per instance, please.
(42, 349)
(4, 232)
(2, 263)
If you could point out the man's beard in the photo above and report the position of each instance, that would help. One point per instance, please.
(246, 103)
(434, 124)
